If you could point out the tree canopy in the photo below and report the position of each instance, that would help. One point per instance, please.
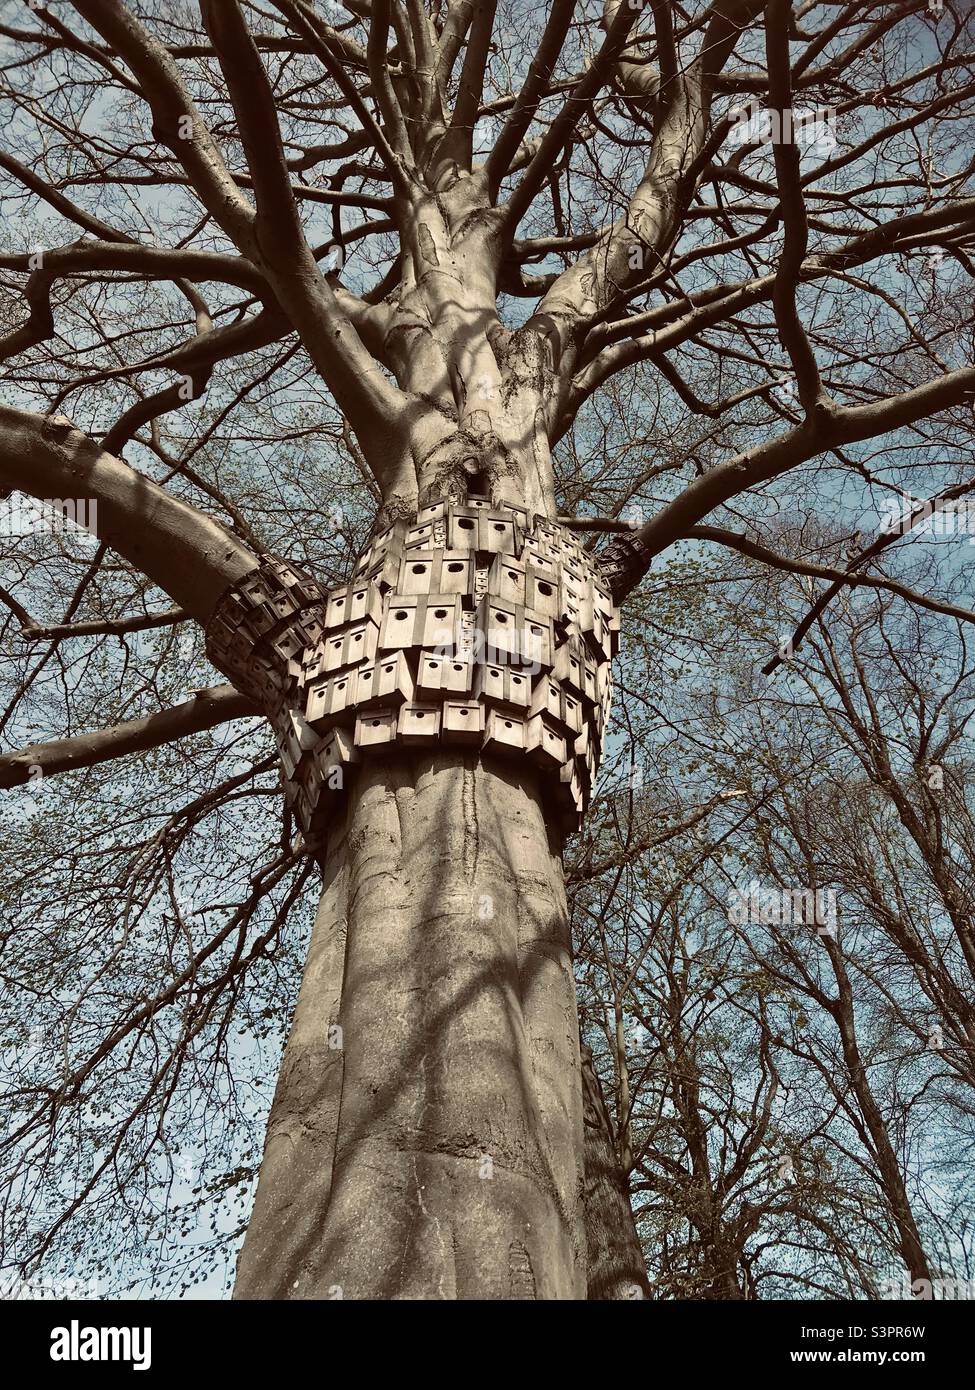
(696, 277)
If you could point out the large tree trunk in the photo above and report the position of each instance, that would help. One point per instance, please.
(615, 1264)
(438, 1152)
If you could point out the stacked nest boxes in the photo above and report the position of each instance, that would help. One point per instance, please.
(262, 627)
(476, 627)
(258, 636)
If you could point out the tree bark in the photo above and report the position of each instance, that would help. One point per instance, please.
(616, 1268)
(889, 1168)
(438, 1152)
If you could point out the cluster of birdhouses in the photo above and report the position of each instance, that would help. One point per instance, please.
(475, 626)
(263, 625)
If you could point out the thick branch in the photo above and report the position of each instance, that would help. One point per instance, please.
(630, 558)
(460, 139)
(206, 710)
(849, 578)
(151, 262)
(183, 551)
(786, 153)
(576, 107)
(177, 120)
(104, 627)
(536, 86)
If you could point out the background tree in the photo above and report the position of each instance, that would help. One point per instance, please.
(455, 247)
(793, 1102)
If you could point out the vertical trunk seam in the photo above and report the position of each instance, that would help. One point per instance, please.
(471, 828)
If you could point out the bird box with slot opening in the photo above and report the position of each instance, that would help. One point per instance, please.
(503, 733)
(544, 742)
(506, 579)
(441, 623)
(468, 634)
(420, 572)
(462, 721)
(418, 724)
(456, 572)
(462, 527)
(376, 728)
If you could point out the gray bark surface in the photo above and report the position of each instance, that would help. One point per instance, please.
(439, 1152)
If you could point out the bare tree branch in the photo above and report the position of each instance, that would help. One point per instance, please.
(206, 710)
